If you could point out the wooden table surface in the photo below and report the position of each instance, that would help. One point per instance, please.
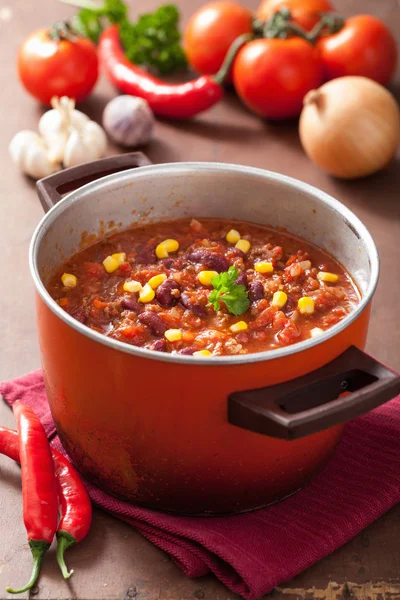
(115, 562)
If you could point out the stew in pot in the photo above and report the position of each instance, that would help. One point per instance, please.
(205, 287)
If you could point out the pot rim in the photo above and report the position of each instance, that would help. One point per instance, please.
(186, 167)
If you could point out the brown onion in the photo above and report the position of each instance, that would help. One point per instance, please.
(350, 127)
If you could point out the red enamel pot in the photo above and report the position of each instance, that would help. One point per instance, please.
(210, 435)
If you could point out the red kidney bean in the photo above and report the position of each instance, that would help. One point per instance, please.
(164, 293)
(153, 322)
(158, 346)
(79, 315)
(237, 252)
(147, 255)
(211, 260)
(131, 304)
(242, 279)
(187, 351)
(167, 262)
(256, 291)
(197, 309)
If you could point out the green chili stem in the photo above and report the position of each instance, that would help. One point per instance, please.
(38, 549)
(64, 541)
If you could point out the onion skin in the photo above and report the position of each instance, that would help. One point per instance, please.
(350, 127)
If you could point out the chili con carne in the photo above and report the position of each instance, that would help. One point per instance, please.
(162, 286)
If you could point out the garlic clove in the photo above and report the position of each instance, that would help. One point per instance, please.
(29, 152)
(77, 151)
(95, 135)
(36, 162)
(20, 142)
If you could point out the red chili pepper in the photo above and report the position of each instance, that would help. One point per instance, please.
(178, 101)
(39, 488)
(75, 509)
(74, 503)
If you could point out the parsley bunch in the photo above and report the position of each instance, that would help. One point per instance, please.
(153, 41)
(234, 296)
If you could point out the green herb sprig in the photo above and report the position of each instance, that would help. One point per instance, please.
(226, 290)
(153, 41)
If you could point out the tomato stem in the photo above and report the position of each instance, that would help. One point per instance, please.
(281, 26)
(330, 22)
(62, 30)
(225, 68)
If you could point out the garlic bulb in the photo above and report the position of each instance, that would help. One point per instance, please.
(350, 127)
(128, 121)
(68, 137)
(29, 152)
(84, 145)
(55, 125)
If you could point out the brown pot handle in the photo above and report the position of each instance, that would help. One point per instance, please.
(310, 403)
(50, 189)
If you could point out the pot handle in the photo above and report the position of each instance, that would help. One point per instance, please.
(51, 188)
(310, 403)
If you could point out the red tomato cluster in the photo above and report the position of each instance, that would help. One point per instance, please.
(272, 75)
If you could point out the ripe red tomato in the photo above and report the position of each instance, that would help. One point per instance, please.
(272, 76)
(304, 12)
(211, 31)
(48, 67)
(364, 46)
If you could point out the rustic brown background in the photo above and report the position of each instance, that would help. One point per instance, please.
(115, 562)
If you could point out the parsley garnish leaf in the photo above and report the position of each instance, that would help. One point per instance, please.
(226, 290)
(153, 41)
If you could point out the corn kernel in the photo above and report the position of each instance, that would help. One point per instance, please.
(279, 299)
(69, 280)
(239, 326)
(173, 335)
(306, 305)
(243, 245)
(132, 286)
(164, 248)
(157, 280)
(146, 294)
(205, 277)
(263, 267)
(110, 264)
(120, 257)
(316, 332)
(161, 251)
(328, 277)
(63, 302)
(232, 236)
(202, 353)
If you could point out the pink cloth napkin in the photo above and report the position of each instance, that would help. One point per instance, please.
(254, 552)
